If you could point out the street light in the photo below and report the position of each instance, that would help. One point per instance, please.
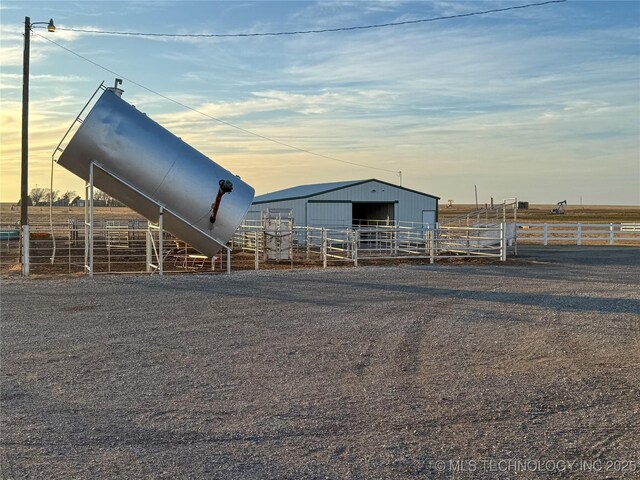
(24, 174)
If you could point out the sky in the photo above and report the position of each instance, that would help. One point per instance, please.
(542, 104)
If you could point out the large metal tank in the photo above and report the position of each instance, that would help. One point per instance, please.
(147, 165)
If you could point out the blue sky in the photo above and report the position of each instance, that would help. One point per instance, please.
(540, 103)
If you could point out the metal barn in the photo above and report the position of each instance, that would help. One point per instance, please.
(347, 204)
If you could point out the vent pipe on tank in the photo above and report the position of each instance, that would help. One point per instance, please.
(115, 89)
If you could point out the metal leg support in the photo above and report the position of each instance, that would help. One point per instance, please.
(161, 241)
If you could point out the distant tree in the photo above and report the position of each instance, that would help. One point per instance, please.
(51, 196)
(68, 196)
(37, 194)
(100, 195)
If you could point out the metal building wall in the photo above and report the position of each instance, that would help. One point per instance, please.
(334, 208)
(408, 209)
(329, 214)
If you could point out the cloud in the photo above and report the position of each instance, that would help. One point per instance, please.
(14, 80)
(62, 35)
(281, 101)
(12, 47)
(11, 55)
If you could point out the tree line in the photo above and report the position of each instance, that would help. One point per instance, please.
(45, 196)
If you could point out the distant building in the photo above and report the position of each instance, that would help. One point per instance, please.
(344, 204)
(79, 202)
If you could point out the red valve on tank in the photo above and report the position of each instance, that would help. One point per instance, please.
(225, 187)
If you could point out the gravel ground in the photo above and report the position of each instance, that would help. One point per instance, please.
(376, 372)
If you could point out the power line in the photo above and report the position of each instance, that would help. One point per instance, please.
(304, 32)
(258, 135)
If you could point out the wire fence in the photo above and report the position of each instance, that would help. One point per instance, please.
(505, 212)
(119, 246)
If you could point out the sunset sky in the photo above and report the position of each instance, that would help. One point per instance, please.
(540, 103)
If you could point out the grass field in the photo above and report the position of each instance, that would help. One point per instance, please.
(573, 214)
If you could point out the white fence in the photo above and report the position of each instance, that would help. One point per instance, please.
(378, 242)
(579, 233)
(133, 246)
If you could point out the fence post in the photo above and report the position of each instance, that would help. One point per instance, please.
(161, 242)
(579, 237)
(396, 239)
(432, 245)
(324, 248)
(426, 240)
(611, 234)
(257, 259)
(468, 243)
(354, 248)
(308, 242)
(503, 243)
(25, 250)
(90, 220)
(86, 227)
(228, 260)
(149, 250)
(545, 234)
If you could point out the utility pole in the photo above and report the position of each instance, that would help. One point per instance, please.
(24, 164)
(24, 172)
(476, 189)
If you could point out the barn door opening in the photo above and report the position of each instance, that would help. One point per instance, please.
(372, 213)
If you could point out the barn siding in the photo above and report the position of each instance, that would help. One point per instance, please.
(409, 205)
(329, 214)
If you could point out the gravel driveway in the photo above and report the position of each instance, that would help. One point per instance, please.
(376, 372)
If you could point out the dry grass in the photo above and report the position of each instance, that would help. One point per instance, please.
(10, 213)
(573, 214)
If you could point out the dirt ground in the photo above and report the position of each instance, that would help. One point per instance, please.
(412, 371)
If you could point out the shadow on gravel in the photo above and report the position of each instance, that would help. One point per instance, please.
(332, 291)
(582, 255)
(547, 271)
(557, 302)
(270, 289)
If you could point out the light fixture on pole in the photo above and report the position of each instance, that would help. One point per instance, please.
(24, 173)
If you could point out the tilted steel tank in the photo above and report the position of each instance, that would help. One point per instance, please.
(144, 166)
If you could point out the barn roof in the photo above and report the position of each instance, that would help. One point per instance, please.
(306, 191)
